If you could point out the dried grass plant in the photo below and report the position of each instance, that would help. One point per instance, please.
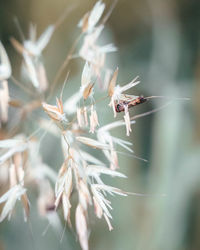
(74, 120)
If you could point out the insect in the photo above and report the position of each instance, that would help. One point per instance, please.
(130, 102)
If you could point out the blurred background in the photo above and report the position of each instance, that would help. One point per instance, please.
(159, 41)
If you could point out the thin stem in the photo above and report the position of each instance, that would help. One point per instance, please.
(62, 17)
(27, 109)
(63, 233)
(61, 93)
(25, 89)
(151, 111)
(68, 146)
(16, 21)
(168, 97)
(139, 194)
(46, 229)
(33, 134)
(109, 11)
(99, 100)
(131, 155)
(63, 66)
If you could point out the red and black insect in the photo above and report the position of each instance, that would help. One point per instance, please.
(120, 106)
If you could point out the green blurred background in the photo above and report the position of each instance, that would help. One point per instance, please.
(159, 40)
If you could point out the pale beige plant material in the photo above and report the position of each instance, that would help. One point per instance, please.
(4, 100)
(94, 53)
(90, 19)
(5, 73)
(117, 97)
(32, 46)
(34, 70)
(15, 151)
(5, 67)
(9, 198)
(81, 227)
(12, 146)
(56, 113)
(86, 81)
(93, 120)
(32, 67)
(15, 154)
(92, 28)
(76, 121)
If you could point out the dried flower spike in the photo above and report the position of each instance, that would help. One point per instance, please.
(122, 102)
(56, 113)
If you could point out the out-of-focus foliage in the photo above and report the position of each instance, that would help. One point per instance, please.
(158, 40)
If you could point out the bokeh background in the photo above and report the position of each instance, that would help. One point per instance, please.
(159, 41)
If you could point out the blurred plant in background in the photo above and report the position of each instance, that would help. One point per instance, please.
(155, 41)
